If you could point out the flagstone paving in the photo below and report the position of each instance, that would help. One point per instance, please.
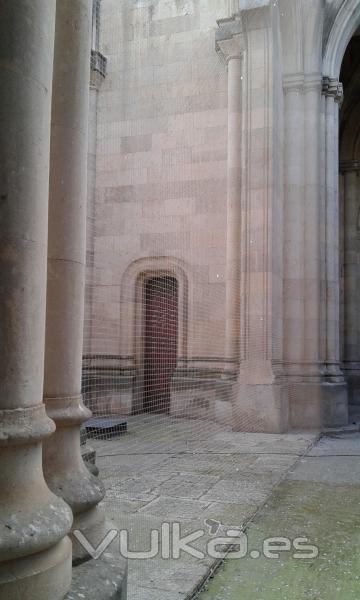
(206, 477)
(320, 500)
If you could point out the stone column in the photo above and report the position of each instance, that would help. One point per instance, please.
(64, 468)
(312, 181)
(249, 44)
(310, 365)
(233, 210)
(294, 296)
(35, 554)
(351, 358)
(336, 386)
(302, 185)
(97, 76)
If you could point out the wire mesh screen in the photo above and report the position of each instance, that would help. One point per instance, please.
(183, 327)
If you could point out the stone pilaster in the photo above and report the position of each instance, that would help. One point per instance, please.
(230, 46)
(35, 552)
(311, 339)
(64, 468)
(302, 94)
(332, 95)
(294, 285)
(249, 44)
(98, 64)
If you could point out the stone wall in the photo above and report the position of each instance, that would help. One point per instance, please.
(216, 163)
(160, 167)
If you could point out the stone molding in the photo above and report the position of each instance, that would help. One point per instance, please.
(300, 82)
(67, 411)
(332, 88)
(346, 22)
(21, 426)
(132, 284)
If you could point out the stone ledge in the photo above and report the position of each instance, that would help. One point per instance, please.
(101, 579)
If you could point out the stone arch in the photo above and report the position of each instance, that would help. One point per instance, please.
(131, 302)
(345, 24)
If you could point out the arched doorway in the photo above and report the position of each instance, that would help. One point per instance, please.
(160, 341)
(349, 187)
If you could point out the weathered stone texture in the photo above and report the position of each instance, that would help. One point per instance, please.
(161, 157)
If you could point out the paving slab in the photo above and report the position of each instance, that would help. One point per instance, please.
(318, 500)
(198, 474)
(339, 444)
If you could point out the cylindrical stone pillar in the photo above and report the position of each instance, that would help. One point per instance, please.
(294, 229)
(332, 92)
(35, 552)
(233, 210)
(64, 468)
(312, 257)
(302, 247)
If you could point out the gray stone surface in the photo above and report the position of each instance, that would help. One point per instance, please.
(188, 471)
(334, 460)
(336, 469)
(319, 499)
(101, 579)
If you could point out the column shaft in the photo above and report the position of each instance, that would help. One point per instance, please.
(312, 227)
(293, 230)
(302, 277)
(254, 236)
(309, 222)
(332, 237)
(64, 469)
(233, 210)
(35, 554)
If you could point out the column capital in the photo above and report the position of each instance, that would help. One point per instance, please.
(332, 88)
(98, 64)
(229, 38)
(347, 166)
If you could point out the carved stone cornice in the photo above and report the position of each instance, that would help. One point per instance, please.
(332, 88)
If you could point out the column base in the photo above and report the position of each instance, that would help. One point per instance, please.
(101, 579)
(318, 405)
(93, 525)
(39, 576)
(261, 408)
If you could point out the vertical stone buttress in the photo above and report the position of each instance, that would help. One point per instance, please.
(64, 468)
(35, 553)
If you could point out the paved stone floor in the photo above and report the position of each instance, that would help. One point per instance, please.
(196, 473)
(318, 499)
